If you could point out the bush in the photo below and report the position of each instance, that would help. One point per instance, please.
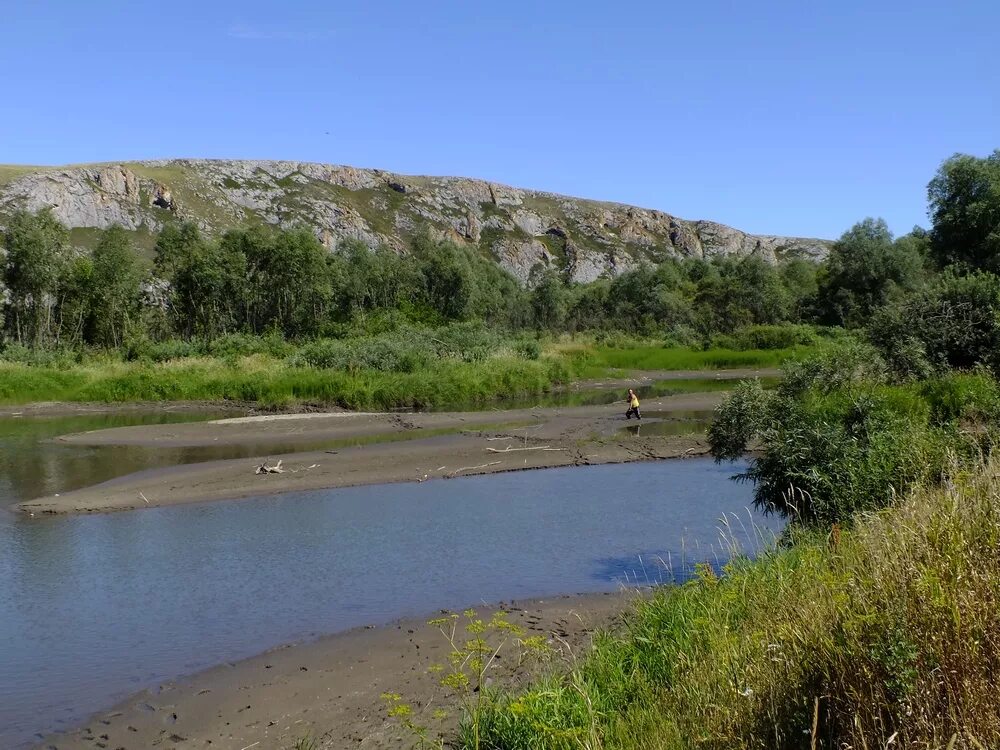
(835, 440)
(528, 348)
(832, 367)
(767, 337)
(60, 358)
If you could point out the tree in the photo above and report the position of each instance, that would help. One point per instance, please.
(954, 323)
(368, 279)
(209, 289)
(865, 270)
(448, 279)
(173, 246)
(743, 292)
(287, 279)
(549, 301)
(650, 299)
(115, 280)
(799, 277)
(964, 199)
(37, 250)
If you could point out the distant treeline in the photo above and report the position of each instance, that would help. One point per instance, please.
(262, 280)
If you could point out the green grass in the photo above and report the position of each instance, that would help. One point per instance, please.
(884, 636)
(274, 383)
(11, 172)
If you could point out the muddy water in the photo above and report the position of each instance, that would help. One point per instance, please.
(95, 607)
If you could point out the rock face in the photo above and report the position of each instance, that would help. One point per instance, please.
(523, 230)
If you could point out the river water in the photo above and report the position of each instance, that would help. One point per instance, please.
(93, 608)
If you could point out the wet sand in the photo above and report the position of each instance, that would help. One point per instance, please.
(330, 689)
(396, 450)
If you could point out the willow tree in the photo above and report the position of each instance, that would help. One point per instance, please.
(37, 250)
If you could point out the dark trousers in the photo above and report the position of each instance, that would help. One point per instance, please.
(633, 410)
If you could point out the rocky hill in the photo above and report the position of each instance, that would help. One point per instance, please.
(521, 229)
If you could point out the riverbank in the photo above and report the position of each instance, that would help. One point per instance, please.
(330, 689)
(342, 449)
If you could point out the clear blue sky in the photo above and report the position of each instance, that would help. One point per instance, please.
(779, 117)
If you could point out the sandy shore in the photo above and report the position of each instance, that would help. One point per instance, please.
(329, 689)
(377, 448)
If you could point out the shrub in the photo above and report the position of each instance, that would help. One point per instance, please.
(833, 366)
(835, 440)
(767, 337)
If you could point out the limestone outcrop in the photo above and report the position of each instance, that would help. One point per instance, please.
(522, 230)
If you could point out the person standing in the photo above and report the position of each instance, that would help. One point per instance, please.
(633, 406)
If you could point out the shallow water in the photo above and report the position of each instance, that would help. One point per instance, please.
(669, 423)
(95, 607)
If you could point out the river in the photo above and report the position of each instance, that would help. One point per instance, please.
(93, 608)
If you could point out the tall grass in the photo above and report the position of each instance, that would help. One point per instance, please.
(887, 635)
(271, 382)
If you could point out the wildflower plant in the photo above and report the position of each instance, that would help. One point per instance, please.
(474, 648)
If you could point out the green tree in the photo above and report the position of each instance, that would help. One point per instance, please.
(287, 279)
(449, 284)
(964, 199)
(650, 299)
(743, 292)
(209, 290)
(549, 301)
(865, 270)
(173, 246)
(380, 279)
(799, 277)
(588, 306)
(953, 324)
(36, 247)
(115, 279)
(75, 298)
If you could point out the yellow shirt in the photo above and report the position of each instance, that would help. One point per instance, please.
(634, 403)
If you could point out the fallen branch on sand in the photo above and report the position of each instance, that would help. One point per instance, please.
(467, 468)
(265, 469)
(508, 449)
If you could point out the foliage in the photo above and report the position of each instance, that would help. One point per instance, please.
(36, 255)
(115, 297)
(474, 648)
(954, 323)
(784, 336)
(865, 270)
(964, 199)
(834, 440)
(884, 635)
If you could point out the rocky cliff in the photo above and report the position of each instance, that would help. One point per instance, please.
(522, 229)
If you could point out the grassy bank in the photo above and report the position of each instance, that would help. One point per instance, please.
(887, 635)
(274, 383)
(415, 367)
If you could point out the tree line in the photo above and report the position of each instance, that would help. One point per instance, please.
(260, 280)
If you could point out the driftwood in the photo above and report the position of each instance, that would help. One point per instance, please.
(508, 449)
(467, 468)
(265, 469)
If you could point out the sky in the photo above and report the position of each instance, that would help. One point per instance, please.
(795, 118)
